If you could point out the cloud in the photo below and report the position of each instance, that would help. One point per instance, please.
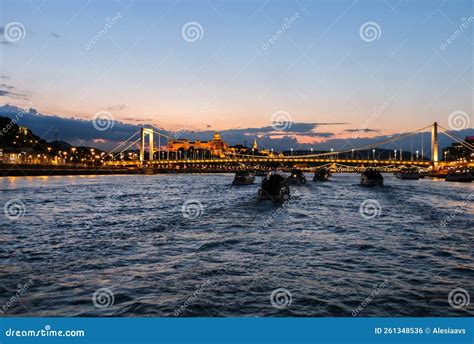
(12, 92)
(363, 130)
(137, 120)
(296, 128)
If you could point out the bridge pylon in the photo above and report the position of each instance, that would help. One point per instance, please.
(146, 132)
(434, 144)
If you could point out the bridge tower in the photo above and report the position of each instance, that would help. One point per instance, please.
(434, 144)
(146, 132)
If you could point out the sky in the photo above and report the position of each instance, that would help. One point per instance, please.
(243, 64)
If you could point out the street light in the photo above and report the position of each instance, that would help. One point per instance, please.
(373, 153)
(291, 151)
(416, 155)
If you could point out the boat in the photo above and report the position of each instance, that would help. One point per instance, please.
(371, 177)
(412, 173)
(322, 174)
(275, 188)
(459, 176)
(297, 178)
(243, 178)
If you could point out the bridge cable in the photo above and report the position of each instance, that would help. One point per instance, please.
(130, 145)
(123, 143)
(464, 143)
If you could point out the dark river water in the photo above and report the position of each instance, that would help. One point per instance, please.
(193, 245)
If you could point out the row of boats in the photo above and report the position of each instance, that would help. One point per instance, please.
(276, 185)
(296, 177)
(455, 175)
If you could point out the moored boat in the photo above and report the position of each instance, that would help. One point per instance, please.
(412, 173)
(322, 174)
(243, 178)
(371, 177)
(463, 176)
(297, 178)
(275, 188)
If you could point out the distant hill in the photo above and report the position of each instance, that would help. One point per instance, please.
(60, 145)
(12, 136)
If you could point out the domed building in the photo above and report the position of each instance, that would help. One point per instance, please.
(215, 147)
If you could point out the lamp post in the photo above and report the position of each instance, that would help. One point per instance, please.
(373, 153)
(416, 155)
(291, 151)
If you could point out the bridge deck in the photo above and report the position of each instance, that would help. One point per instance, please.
(280, 160)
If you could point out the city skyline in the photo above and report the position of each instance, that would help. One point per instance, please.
(85, 133)
(225, 66)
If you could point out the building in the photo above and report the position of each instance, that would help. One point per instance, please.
(215, 147)
(459, 152)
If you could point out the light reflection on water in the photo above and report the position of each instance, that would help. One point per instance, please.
(127, 233)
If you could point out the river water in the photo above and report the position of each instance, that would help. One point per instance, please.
(193, 245)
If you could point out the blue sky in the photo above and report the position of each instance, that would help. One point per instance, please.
(319, 70)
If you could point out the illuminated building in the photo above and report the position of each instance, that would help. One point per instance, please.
(215, 147)
(459, 152)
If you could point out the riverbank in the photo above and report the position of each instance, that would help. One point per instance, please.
(8, 170)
